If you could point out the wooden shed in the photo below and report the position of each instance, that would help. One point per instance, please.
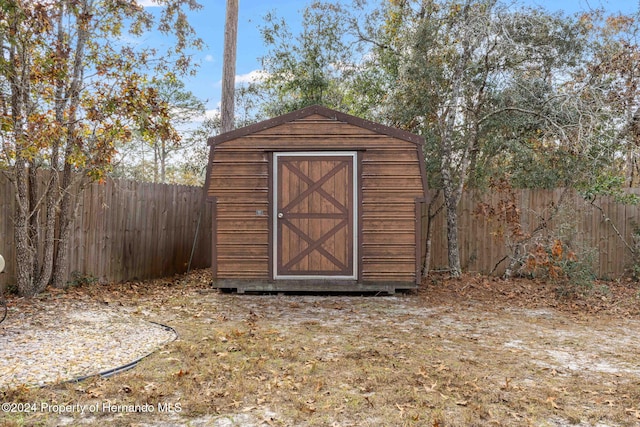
(316, 200)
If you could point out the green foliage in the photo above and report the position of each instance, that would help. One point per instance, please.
(606, 184)
(79, 279)
(321, 65)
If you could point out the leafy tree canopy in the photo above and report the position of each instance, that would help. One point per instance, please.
(74, 79)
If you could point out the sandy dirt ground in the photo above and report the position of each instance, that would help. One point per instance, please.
(464, 352)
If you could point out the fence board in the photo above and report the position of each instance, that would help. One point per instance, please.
(481, 246)
(125, 230)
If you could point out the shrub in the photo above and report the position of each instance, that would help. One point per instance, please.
(572, 271)
(80, 279)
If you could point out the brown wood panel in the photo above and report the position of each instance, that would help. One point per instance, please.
(230, 168)
(248, 223)
(412, 186)
(401, 220)
(245, 237)
(387, 276)
(126, 229)
(391, 169)
(388, 250)
(290, 142)
(313, 118)
(244, 251)
(383, 145)
(315, 225)
(241, 208)
(374, 208)
(241, 268)
(390, 223)
(372, 195)
(307, 128)
(229, 155)
(242, 195)
(390, 152)
(394, 259)
(388, 237)
(240, 182)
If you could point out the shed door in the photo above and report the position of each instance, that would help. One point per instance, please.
(315, 213)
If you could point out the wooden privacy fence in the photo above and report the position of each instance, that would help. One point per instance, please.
(602, 229)
(125, 230)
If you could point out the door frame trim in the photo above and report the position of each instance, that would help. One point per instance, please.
(355, 214)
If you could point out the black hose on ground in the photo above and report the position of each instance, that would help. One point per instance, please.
(111, 372)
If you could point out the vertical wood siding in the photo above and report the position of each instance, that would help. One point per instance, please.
(583, 226)
(125, 230)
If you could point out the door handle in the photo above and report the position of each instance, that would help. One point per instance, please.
(280, 215)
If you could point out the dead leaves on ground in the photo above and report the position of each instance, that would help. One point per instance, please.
(237, 354)
(620, 299)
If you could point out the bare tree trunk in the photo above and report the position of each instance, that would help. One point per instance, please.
(453, 250)
(163, 162)
(155, 163)
(431, 214)
(426, 267)
(69, 203)
(53, 187)
(34, 220)
(25, 254)
(450, 157)
(68, 211)
(229, 66)
(46, 266)
(451, 196)
(24, 251)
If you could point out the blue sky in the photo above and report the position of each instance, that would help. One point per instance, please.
(209, 24)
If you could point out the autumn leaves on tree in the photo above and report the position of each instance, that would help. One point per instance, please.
(73, 88)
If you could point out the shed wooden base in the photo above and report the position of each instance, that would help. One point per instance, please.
(333, 286)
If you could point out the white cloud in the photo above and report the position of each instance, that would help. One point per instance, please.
(251, 77)
(209, 114)
(148, 3)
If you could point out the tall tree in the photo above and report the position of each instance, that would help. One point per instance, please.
(74, 88)
(319, 65)
(149, 156)
(229, 65)
(453, 61)
(614, 70)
